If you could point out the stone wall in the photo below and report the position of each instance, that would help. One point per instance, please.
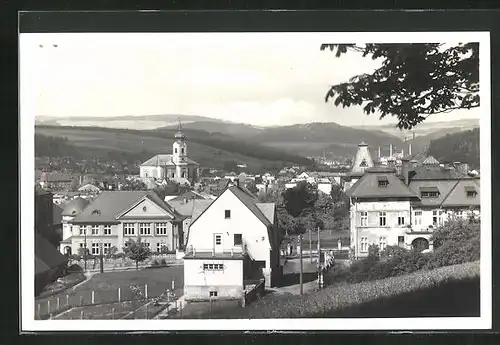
(202, 292)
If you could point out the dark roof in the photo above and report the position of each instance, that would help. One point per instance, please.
(188, 195)
(429, 189)
(436, 172)
(190, 208)
(46, 255)
(417, 156)
(443, 186)
(110, 204)
(162, 160)
(75, 207)
(457, 197)
(368, 187)
(55, 177)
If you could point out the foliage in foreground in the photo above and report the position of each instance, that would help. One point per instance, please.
(343, 296)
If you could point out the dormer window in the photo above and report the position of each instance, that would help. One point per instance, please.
(96, 212)
(382, 181)
(471, 192)
(429, 192)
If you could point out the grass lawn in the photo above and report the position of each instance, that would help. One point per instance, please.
(102, 312)
(105, 287)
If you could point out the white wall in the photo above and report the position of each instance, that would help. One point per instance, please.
(231, 275)
(242, 221)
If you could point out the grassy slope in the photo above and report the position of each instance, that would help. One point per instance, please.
(95, 139)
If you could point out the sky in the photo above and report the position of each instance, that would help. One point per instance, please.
(260, 79)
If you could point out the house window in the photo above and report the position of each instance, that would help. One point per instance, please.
(107, 229)
(238, 239)
(218, 240)
(161, 228)
(182, 150)
(227, 214)
(213, 293)
(418, 217)
(213, 267)
(95, 229)
(440, 218)
(401, 220)
(471, 194)
(382, 243)
(95, 248)
(144, 228)
(160, 246)
(147, 244)
(434, 217)
(364, 219)
(459, 213)
(128, 229)
(382, 217)
(83, 230)
(107, 247)
(173, 175)
(364, 244)
(175, 150)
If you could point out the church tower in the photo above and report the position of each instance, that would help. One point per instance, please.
(179, 147)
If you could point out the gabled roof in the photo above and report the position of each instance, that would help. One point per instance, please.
(46, 255)
(190, 207)
(199, 206)
(159, 160)
(444, 187)
(458, 195)
(268, 210)
(368, 186)
(249, 200)
(108, 205)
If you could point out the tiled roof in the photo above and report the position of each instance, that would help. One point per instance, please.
(199, 206)
(188, 195)
(417, 156)
(110, 204)
(74, 207)
(165, 160)
(46, 255)
(435, 172)
(430, 161)
(458, 195)
(368, 187)
(443, 186)
(190, 207)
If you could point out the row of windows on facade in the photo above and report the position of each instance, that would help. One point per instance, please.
(437, 218)
(95, 247)
(382, 243)
(237, 239)
(128, 229)
(435, 194)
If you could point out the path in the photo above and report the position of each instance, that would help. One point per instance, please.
(295, 289)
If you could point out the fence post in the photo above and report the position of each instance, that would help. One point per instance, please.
(67, 301)
(173, 285)
(113, 313)
(81, 315)
(50, 316)
(119, 295)
(38, 310)
(146, 290)
(58, 303)
(48, 305)
(180, 309)
(93, 297)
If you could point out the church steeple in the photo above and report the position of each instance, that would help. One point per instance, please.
(179, 135)
(179, 146)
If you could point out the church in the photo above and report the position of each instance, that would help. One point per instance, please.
(174, 167)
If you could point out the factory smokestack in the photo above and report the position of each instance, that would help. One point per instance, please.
(379, 152)
(390, 150)
(409, 149)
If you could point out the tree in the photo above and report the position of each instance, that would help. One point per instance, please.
(252, 187)
(171, 188)
(137, 251)
(415, 80)
(299, 198)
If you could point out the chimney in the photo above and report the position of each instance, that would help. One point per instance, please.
(406, 170)
(390, 163)
(390, 150)
(463, 168)
(409, 149)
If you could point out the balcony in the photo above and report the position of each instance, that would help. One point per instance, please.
(234, 252)
(422, 230)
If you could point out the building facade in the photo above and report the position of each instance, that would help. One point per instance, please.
(176, 166)
(115, 217)
(233, 239)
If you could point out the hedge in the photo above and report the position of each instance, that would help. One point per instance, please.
(343, 296)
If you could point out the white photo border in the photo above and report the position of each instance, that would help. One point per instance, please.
(28, 89)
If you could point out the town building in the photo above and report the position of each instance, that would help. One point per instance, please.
(234, 239)
(391, 209)
(176, 166)
(115, 217)
(55, 181)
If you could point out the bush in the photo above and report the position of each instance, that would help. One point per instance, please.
(74, 269)
(155, 263)
(163, 262)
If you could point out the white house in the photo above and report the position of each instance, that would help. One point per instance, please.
(233, 239)
(115, 217)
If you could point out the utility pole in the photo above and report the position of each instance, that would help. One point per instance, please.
(310, 245)
(319, 260)
(301, 266)
(85, 247)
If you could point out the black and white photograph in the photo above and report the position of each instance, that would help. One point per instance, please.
(220, 180)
